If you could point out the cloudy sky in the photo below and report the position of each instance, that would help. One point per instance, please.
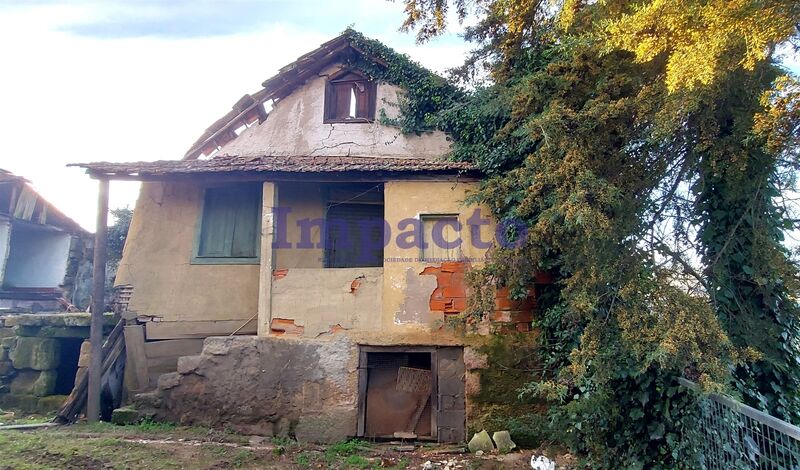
(123, 80)
(112, 80)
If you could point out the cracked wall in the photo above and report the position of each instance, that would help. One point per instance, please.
(417, 294)
(295, 127)
(314, 302)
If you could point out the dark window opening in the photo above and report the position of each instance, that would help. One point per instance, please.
(230, 223)
(349, 97)
(354, 228)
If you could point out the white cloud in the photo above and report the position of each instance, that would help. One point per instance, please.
(67, 98)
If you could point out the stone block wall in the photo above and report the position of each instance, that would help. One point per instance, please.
(38, 355)
(265, 386)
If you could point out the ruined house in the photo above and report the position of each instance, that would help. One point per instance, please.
(45, 270)
(45, 257)
(294, 273)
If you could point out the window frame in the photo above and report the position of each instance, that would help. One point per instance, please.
(424, 241)
(242, 260)
(343, 77)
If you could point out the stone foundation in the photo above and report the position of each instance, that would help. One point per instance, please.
(39, 355)
(265, 386)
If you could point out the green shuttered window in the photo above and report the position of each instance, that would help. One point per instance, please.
(230, 225)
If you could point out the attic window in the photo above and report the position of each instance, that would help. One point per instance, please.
(349, 97)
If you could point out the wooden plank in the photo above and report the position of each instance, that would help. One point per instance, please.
(197, 329)
(136, 376)
(363, 376)
(173, 348)
(269, 199)
(435, 408)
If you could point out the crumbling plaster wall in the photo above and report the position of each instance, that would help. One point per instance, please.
(157, 262)
(408, 282)
(265, 386)
(396, 304)
(406, 313)
(313, 302)
(295, 127)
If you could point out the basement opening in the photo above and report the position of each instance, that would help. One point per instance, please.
(68, 366)
(412, 392)
(397, 395)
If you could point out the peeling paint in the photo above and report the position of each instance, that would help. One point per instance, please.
(355, 284)
(281, 326)
(279, 273)
(415, 307)
(320, 298)
(450, 295)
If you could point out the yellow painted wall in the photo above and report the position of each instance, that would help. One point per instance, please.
(405, 199)
(157, 262)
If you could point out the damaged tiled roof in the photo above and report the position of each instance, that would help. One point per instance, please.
(276, 164)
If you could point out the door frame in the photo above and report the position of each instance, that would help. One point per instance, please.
(363, 378)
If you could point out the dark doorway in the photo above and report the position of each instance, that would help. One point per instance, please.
(68, 366)
(412, 392)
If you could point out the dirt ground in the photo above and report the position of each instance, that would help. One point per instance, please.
(160, 446)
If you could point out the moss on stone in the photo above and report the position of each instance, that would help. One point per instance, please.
(513, 362)
(125, 416)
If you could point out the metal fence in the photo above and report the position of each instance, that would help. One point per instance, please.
(735, 436)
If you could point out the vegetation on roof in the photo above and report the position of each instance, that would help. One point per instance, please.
(425, 93)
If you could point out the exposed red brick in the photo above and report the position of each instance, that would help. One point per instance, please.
(280, 326)
(460, 304)
(521, 316)
(455, 291)
(355, 285)
(501, 316)
(453, 267)
(451, 292)
(543, 277)
(280, 273)
(437, 294)
(513, 314)
(502, 303)
(440, 305)
(444, 279)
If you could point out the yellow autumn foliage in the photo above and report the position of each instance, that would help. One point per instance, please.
(702, 39)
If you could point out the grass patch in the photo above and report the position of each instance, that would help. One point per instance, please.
(346, 448)
(356, 461)
(303, 459)
(148, 425)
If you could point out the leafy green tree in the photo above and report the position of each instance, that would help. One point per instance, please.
(118, 233)
(646, 146)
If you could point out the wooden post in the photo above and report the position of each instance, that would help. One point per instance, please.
(98, 305)
(269, 200)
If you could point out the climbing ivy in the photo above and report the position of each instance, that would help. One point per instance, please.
(652, 196)
(424, 94)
